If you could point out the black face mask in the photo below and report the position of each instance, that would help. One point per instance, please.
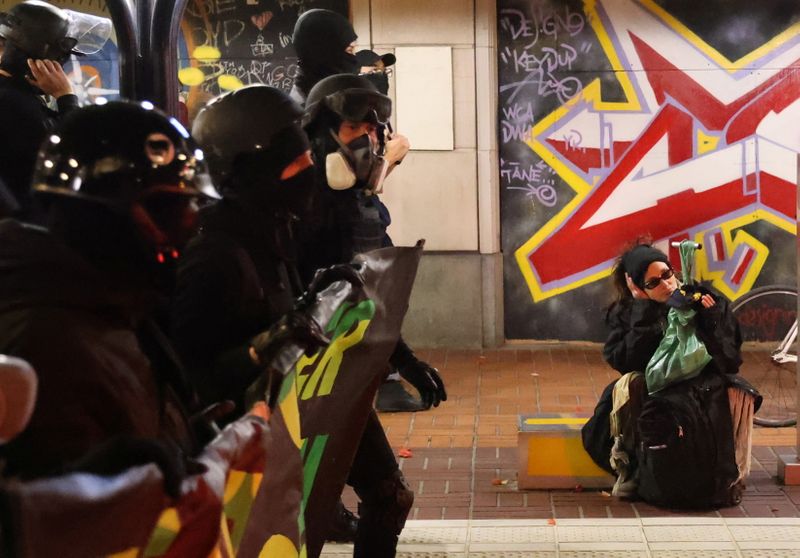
(348, 64)
(380, 80)
(296, 193)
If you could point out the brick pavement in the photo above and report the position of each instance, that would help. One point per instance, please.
(466, 447)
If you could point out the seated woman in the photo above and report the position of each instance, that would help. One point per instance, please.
(645, 280)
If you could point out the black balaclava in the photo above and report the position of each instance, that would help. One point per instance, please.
(256, 176)
(320, 39)
(638, 259)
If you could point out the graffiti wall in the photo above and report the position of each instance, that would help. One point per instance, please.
(618, 118)
(226, 44)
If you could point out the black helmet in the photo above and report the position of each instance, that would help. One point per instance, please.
(130, 159)
(247, 121)
(255, 149)
(39, 30)
(349, 97)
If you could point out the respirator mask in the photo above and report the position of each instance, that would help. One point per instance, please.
(360, 162)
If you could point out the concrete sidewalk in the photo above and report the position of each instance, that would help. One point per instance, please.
(464, 452)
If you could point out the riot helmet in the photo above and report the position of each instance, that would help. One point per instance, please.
(131, 168)
(347, 98)
(38, 30)
(253, 142)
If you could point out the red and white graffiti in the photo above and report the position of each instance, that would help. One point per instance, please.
(702, 147)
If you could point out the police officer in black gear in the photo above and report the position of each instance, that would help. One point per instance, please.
(344, 116)
(36, 45)
(324, 43)
(240, 276)
(237, 285)
(120, 184)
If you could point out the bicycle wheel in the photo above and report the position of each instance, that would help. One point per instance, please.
(765, 316)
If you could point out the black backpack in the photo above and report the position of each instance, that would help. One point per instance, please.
(686, 448)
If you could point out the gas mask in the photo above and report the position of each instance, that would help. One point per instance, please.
(357, 163)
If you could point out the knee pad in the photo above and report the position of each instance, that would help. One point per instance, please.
(387, 505)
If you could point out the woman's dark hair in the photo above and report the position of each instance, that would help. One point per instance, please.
(623, 293)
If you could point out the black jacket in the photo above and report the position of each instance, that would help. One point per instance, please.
(236, 278)
(637, 327)
(83, 333)
(25, 122)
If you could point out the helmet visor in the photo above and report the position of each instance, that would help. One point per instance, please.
(89, 33)
(360, 105)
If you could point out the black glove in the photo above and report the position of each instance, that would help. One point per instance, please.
(419, 374)
(323, 278)
(294, 327)
(123, 453)
(685, 297)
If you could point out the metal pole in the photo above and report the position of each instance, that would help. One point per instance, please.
(122, 18)
(144, 81)
(165, 31)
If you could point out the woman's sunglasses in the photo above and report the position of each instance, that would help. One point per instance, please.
(654, 282)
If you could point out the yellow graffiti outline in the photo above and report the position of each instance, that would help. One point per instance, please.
(592, 95)
(731, 66)
(732, 242)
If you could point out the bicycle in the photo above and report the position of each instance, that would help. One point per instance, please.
(768, 320)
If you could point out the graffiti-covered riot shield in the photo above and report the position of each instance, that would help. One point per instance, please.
(336, 386)
(128, 514)
(270, 488)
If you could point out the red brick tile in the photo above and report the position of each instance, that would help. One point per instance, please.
(428, 513)
(490, 392)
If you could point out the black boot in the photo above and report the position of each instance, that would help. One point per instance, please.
(344, 527)
(393, 398)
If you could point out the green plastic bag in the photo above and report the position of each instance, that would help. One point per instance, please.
(681, 355)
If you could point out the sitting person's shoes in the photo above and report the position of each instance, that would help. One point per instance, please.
(627, 484)
(344, 527)
(393, 398)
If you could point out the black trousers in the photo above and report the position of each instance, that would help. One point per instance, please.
(385, 497)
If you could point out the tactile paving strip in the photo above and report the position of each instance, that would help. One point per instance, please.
(433, 535)
(684, 533)
(771, 553)
(672, 537)
(599, 534)
(693, 554)
(601, 554)
(766, 533)
(520, 534)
